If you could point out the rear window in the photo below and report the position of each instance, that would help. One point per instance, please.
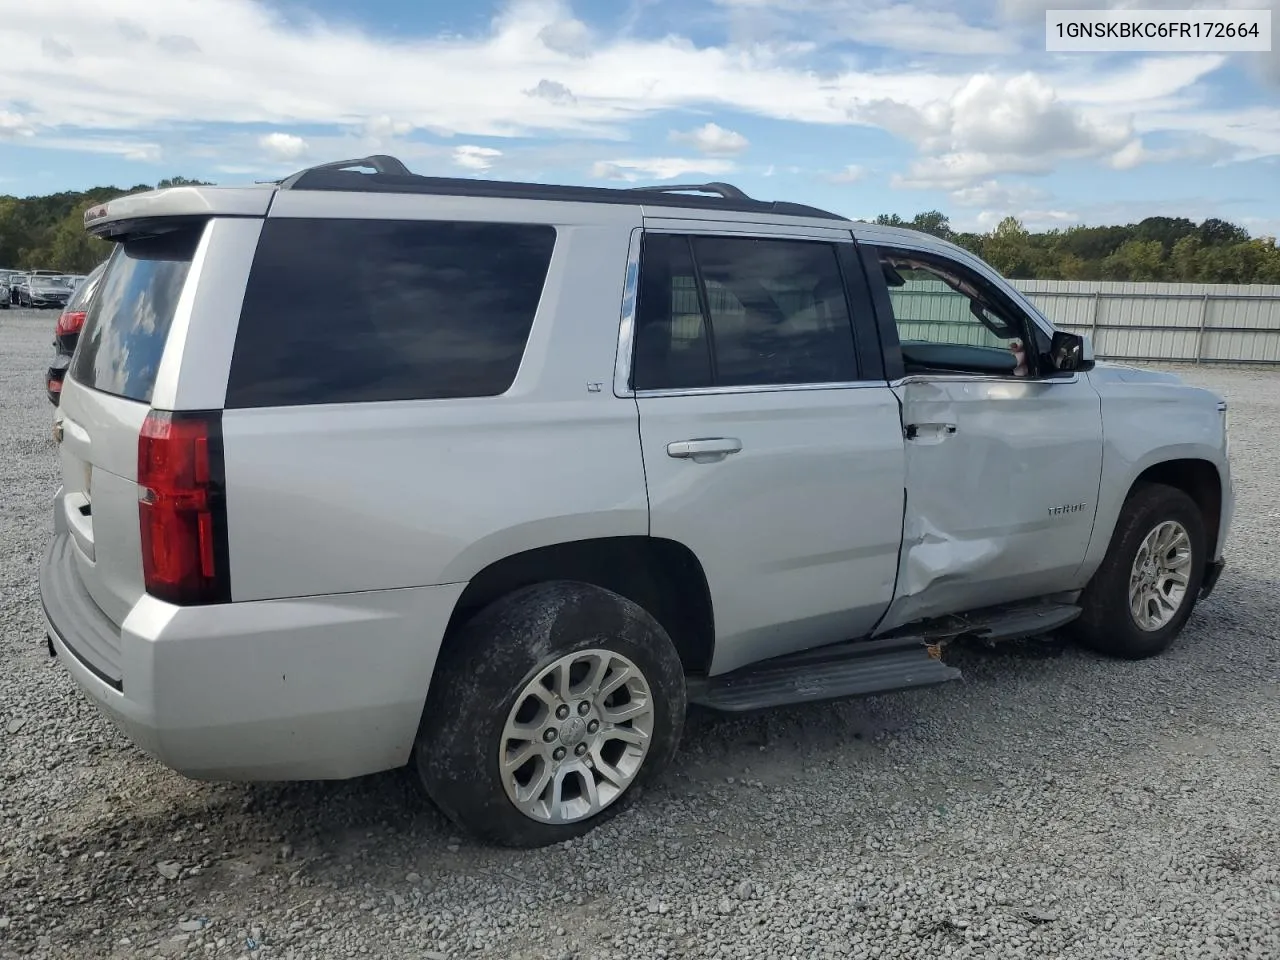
(128, 323)
(350, 311)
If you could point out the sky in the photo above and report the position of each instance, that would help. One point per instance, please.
(861, 107)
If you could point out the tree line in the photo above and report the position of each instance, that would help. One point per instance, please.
(1157, 248)
(48, 233)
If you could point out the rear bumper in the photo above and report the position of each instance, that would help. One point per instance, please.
(313, 688)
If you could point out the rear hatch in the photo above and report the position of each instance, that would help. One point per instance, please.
(105, 400)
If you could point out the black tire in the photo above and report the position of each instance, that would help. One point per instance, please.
(490, 661)
(1107, 624)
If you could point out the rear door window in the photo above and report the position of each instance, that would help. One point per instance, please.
(128, 323)
(351, 311)
(741, 312)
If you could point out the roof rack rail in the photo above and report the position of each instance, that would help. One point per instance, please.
(391, 176)
(725, 190)
(378, 163)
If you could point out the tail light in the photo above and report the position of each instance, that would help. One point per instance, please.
(182, 509)
(69, 322)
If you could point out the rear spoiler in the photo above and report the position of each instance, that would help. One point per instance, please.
(123, 216)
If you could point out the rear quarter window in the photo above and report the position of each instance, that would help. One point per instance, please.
(128, 321)
(350, 311)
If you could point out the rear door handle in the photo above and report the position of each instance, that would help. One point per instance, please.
(704, 450)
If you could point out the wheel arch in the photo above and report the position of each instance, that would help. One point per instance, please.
(1197, 478)
(662, 576)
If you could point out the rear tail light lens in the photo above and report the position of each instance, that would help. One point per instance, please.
(181, 508)
(70, 322)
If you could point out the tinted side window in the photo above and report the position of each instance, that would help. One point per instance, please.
(672, 347)
(128, 323)
(778, 311)
(754, 312)
(349, 311)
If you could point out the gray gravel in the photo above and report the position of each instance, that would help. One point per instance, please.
(1052, 805)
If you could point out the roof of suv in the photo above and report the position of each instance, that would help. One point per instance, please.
(391, 176)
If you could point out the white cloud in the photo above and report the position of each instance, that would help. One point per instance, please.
(475, 158)
(137, 150)
(658, 168)
(993, 194)
(849, 174)
(713, 138)
(1132, 154)
(1197, 148)
(238, 63)
(907, 26)
(1033, 219)
(552, 92)
(255, 67)
(383, 126)
(955, 171)
(283, 146)
(570, 37)
(996, 125)
(55, 49)
(1246, 133)
(14, 125)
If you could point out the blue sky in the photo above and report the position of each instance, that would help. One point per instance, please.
(859, 106)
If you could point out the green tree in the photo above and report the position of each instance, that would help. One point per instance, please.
(1136, 260)
(1167, 230)
(934, 222)
(1214, 232)
(69, 247)
(1182, 259)
(181, 182)
(1268, 268)
(1008, 249)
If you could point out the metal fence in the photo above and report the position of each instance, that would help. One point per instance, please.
(1188, 322)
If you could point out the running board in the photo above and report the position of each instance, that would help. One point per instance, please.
(905, 659)
(1013, 622)
(855, 669)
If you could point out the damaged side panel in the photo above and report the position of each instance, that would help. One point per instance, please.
(1002, 484)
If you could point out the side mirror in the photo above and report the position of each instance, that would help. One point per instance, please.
(1070, 352)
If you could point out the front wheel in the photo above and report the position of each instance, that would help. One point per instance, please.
(1141, 596)
(549, 710)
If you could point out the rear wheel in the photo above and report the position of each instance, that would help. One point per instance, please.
(1144, 591)
(553, 706)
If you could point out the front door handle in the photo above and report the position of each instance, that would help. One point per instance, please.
(929, 432)
(704, 450)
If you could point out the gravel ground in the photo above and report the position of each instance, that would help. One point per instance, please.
(1051, 805)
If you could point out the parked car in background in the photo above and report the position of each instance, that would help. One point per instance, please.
(5, 292)
(66, 333)
(16, 280)
(554, 461)
(44, 290)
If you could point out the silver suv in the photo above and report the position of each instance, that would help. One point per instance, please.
(552, 462)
